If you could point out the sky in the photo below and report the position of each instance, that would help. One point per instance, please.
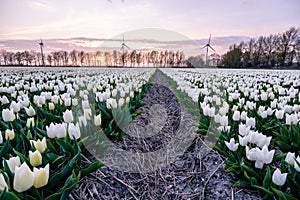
(24, 20)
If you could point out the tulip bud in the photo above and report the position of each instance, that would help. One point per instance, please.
(3, 183)
(97, 120)
(41, 176)
(9, 134)
(236, 116)
(30, 122)
(23, 179)
(127, 100)
(35, 158)
(51, 106)
(39, 145)
(8, 115)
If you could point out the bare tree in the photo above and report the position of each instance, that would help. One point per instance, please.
(73, 55)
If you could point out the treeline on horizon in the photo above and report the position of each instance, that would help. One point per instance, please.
(280, 50)
(132, 58)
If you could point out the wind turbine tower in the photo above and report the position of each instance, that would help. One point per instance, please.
(123, 48)
(207, 46)
(41, 45)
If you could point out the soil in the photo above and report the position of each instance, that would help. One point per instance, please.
(160, 157)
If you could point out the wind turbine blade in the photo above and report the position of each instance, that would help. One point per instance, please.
(209, 39)
(211, 47)
(126, 46)
(204, 46)
(123, 38)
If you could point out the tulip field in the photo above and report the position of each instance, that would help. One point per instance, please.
(49, 115)
(45, 117)
(253, 120)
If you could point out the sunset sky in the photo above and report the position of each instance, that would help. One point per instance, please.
(196, 19)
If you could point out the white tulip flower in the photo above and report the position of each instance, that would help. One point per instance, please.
(290, 158)
(30, 111)
(35, 158)
(68, 116)
(279, 178)
(74, 131)
(41, 176)
(13, 162)
(8, 115)
(9, 134)
(232, 146)
(23, 179)
(3, 184)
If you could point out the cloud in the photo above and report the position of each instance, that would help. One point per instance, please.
(190, 47)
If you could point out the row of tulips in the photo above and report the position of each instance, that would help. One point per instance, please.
(47, 117)
(255, 116)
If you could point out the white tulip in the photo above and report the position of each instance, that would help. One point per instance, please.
(74, 102)
(41, 176)
(39, 145)
(265, 155)
(232, 146)
(243, 140)
(290, 158)
(9, 134)
(250, 122)
(243, 115)
(97, 120)
(15, 107)
(13, 162)
(67, 101)
(279, 114)
(279, 178)
(51, 132)
(30, 111)
(1, 138)
(35, 158)
(8, 115)
(74, 131)
(23, 179)
(51, 106)
(121, 102)
(4, 100)
(251, 154)
(243, 129)
(61, 131)
(114, 93)
(236, 116)
(3, 183)
(263, 114)
(296, 165)
(30, 122)
(68, 116)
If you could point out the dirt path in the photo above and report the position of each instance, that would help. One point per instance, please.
(160, 158)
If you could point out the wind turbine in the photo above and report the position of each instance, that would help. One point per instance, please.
(123, 48)
(41, 45)
(207, 46)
